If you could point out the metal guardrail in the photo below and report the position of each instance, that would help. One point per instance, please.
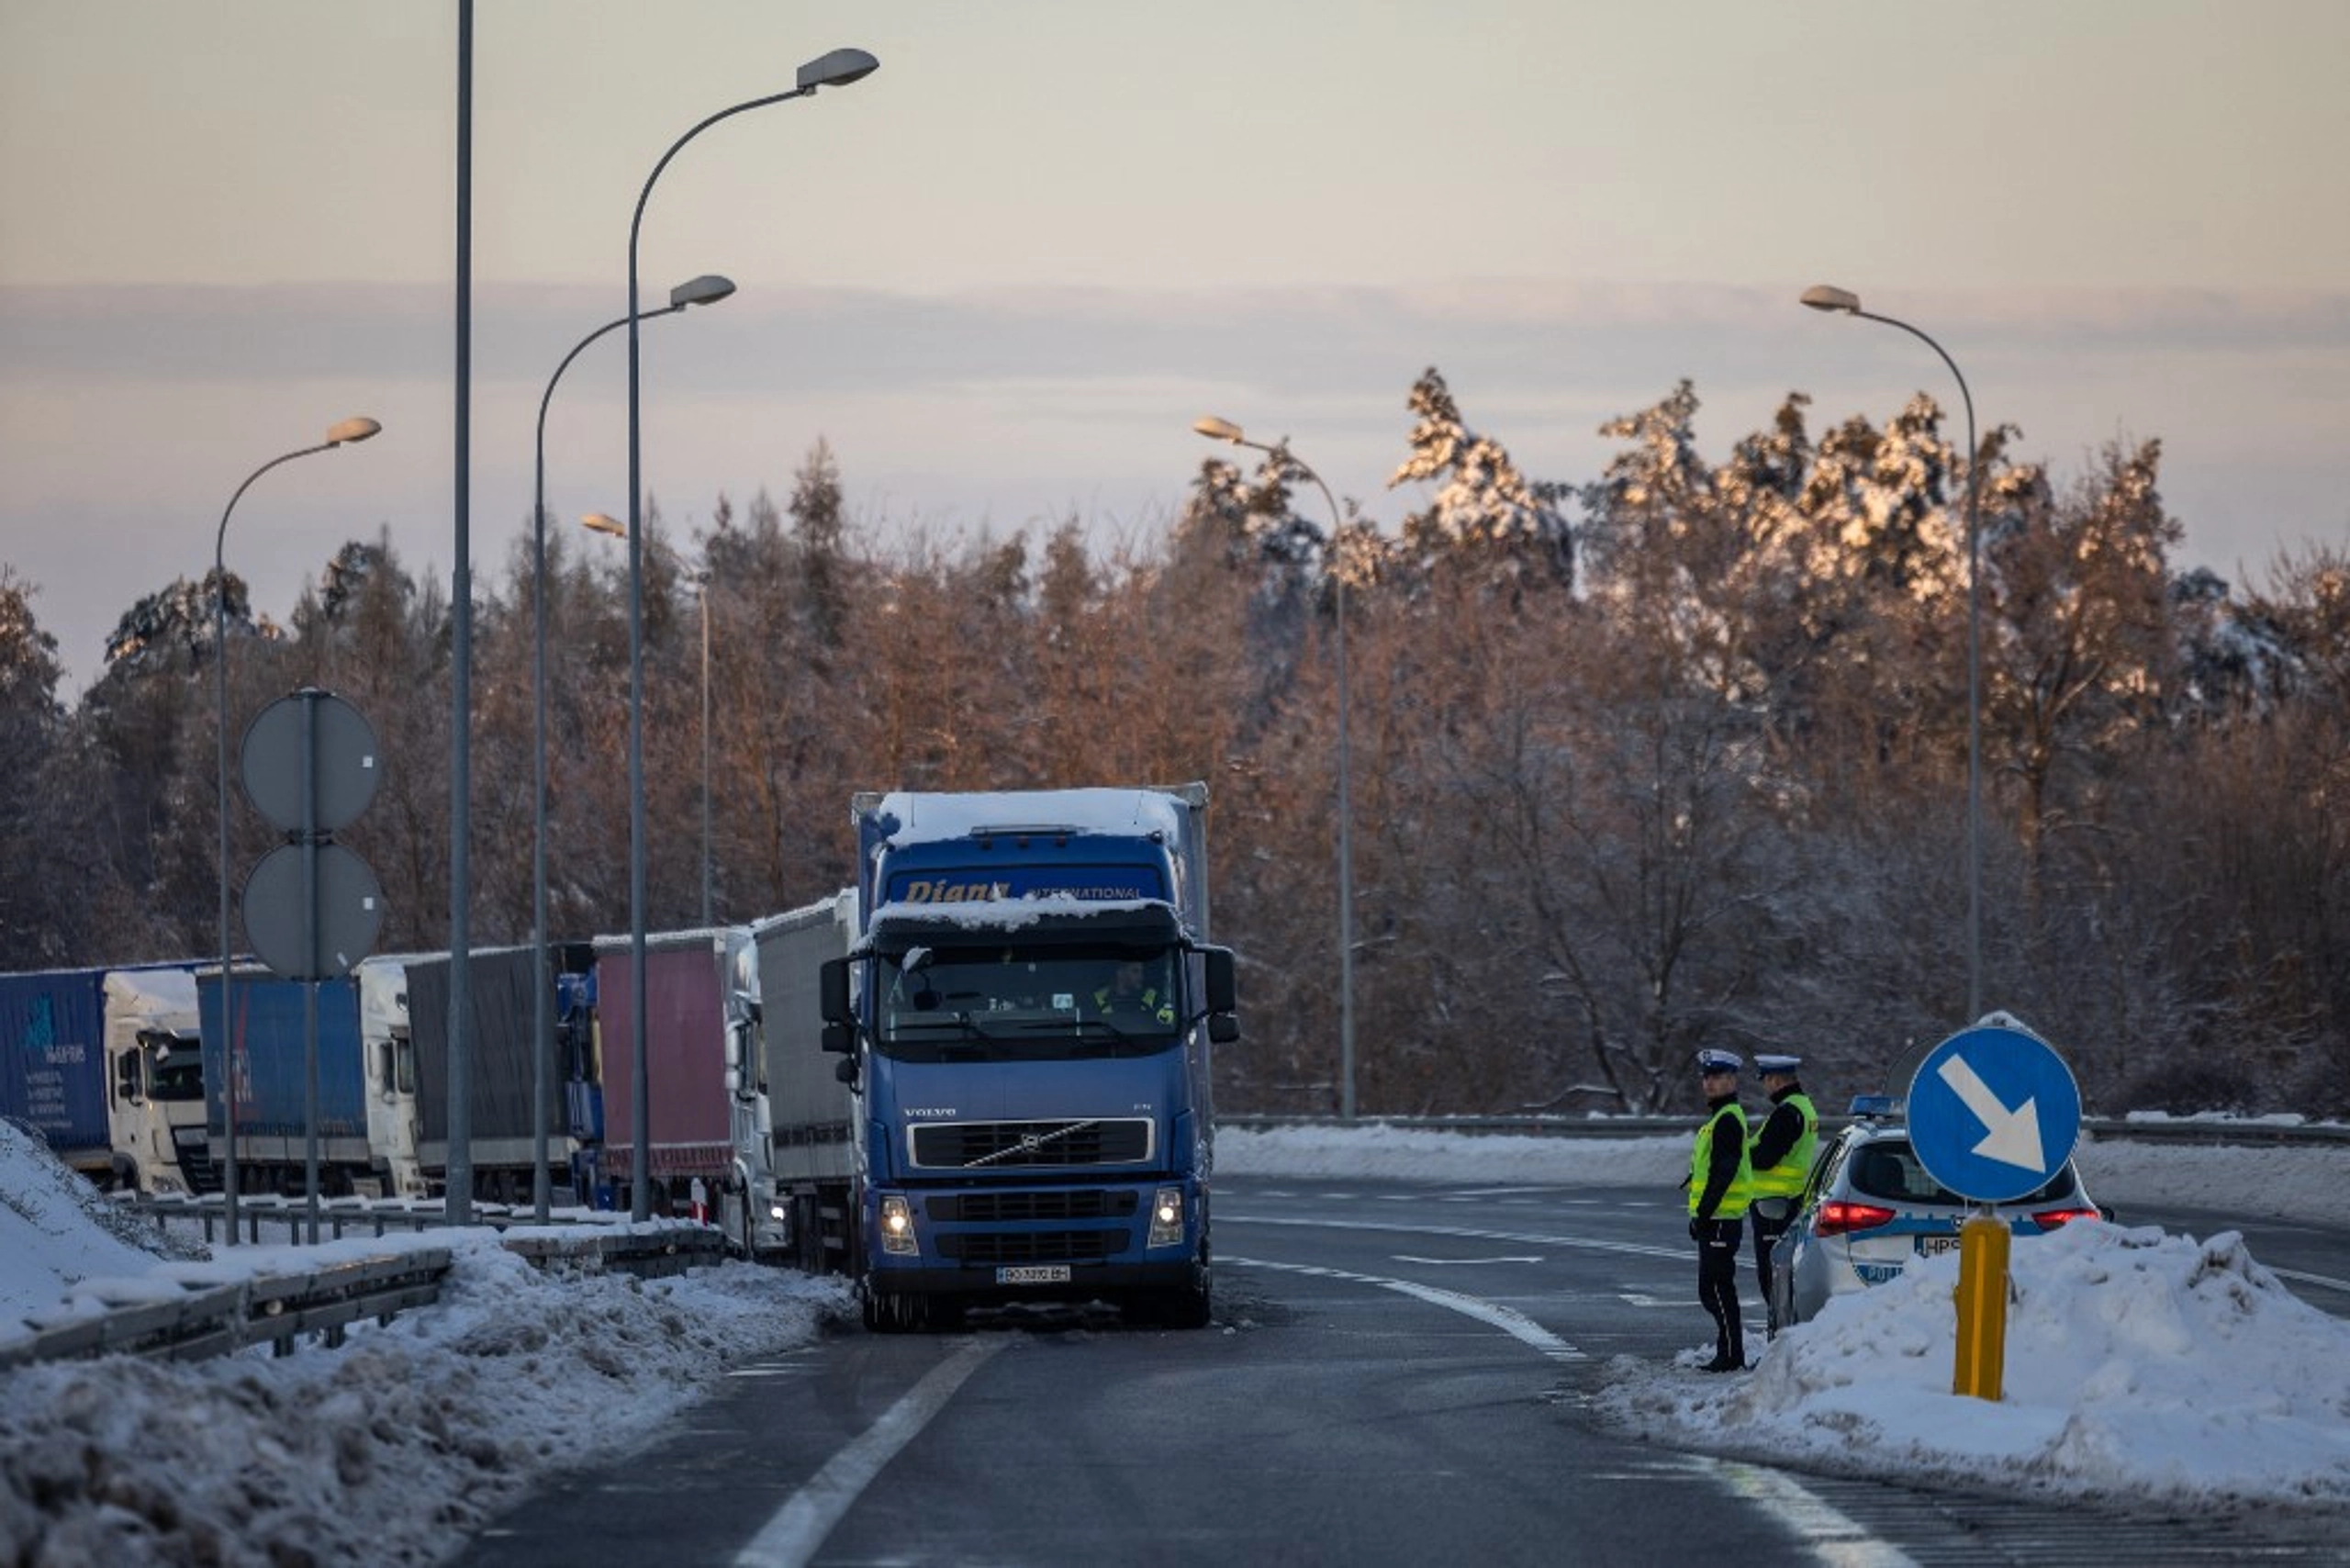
(2233, 1134)
(278, 1310)
(269, 1217)
(217, 1319)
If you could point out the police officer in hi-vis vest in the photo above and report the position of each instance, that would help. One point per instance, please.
(1781, 1158)
(1719, 1189)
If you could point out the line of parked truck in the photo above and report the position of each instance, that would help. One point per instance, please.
(980, 1075)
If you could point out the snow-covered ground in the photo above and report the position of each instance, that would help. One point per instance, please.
(2138, 1365)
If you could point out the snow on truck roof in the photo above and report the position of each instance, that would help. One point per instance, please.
(1012, 914)
(154, 990)
(933, 816)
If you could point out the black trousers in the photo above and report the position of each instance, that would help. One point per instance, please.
(1767, 1232)
(1717, 1247)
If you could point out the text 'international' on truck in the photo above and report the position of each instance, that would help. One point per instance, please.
(1027, 1017)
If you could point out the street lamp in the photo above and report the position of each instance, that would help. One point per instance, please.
(837, 69)
(1824, 296)
(707, 290)
(349, 431)
(1223, 429)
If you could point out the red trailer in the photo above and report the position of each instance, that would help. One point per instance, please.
(690, 1002)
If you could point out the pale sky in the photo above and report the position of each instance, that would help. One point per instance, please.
(1004, 273)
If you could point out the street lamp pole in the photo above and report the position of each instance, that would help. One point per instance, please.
(349, 431)
(1223, 429)
(1824, 297)
(707, 290)
(702, 592)
(837, 69)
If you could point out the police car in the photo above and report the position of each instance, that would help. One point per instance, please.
(1869, 1206)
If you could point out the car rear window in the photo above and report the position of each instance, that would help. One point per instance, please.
(1890, 1168)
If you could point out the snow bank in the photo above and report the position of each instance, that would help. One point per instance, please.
(2139, 1366)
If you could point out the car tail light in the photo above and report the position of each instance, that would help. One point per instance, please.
(2049, 1219)
(1836, 1217)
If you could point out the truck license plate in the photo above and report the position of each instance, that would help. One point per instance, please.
(1033, 1274)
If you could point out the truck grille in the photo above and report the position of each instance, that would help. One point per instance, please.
(989, 1249)
(965, 1145)
(1061, 1202)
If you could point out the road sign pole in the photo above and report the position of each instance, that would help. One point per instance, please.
(1981, 1367)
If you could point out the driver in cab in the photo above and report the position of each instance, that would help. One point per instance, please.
(1129, 997)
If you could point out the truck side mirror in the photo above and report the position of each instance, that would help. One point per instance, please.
(1223, 991)
(1223, 1028)
(839, 1039)
(845, 1070)
(832, 992)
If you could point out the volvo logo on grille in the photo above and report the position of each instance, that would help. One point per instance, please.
(1030, 1143)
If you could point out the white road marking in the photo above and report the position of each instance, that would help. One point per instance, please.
(791, 1537)
(1635, 1248)
(1835, 1539)
(1508, 1319)
(2324, 1280)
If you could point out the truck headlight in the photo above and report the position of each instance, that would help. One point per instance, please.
(897, 1225)
(1166, 1218)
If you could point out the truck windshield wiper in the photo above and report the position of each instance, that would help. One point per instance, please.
(961, 1022)
(1067, 1024)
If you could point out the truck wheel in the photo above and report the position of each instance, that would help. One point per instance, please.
(871, 1308)
(1186, 1305)
(1189, 1308)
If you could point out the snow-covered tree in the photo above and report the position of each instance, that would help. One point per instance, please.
(1486, 518)
(31, 731)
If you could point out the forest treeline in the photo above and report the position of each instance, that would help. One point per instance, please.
(1673, 757)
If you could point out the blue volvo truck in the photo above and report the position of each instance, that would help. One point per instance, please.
(1026, 1019)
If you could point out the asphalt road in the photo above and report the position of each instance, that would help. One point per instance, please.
(1397, 1374)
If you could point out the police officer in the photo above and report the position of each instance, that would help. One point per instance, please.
(1780, 1157)
(1719, 1178)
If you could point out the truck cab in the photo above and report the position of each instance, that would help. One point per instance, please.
(155, 1101)
(1027, 1023)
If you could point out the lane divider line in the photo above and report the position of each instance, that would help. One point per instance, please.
(790, 1538)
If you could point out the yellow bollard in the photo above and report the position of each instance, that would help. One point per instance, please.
(1983, 1242)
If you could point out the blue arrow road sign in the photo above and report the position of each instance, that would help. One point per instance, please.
(1994, 1112)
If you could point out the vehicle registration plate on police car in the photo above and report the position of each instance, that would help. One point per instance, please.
(1033, 1274)
(1935, 1245)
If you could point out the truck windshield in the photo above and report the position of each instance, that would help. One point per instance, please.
(179, 1068)
(1034, 1004)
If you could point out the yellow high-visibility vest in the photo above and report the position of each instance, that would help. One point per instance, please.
(1785, 1178)
(1701, 1164)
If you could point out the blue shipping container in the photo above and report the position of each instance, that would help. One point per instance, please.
(272, 1045)
(52, 1057)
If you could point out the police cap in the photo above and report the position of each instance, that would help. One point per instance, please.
(1712, 1060)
